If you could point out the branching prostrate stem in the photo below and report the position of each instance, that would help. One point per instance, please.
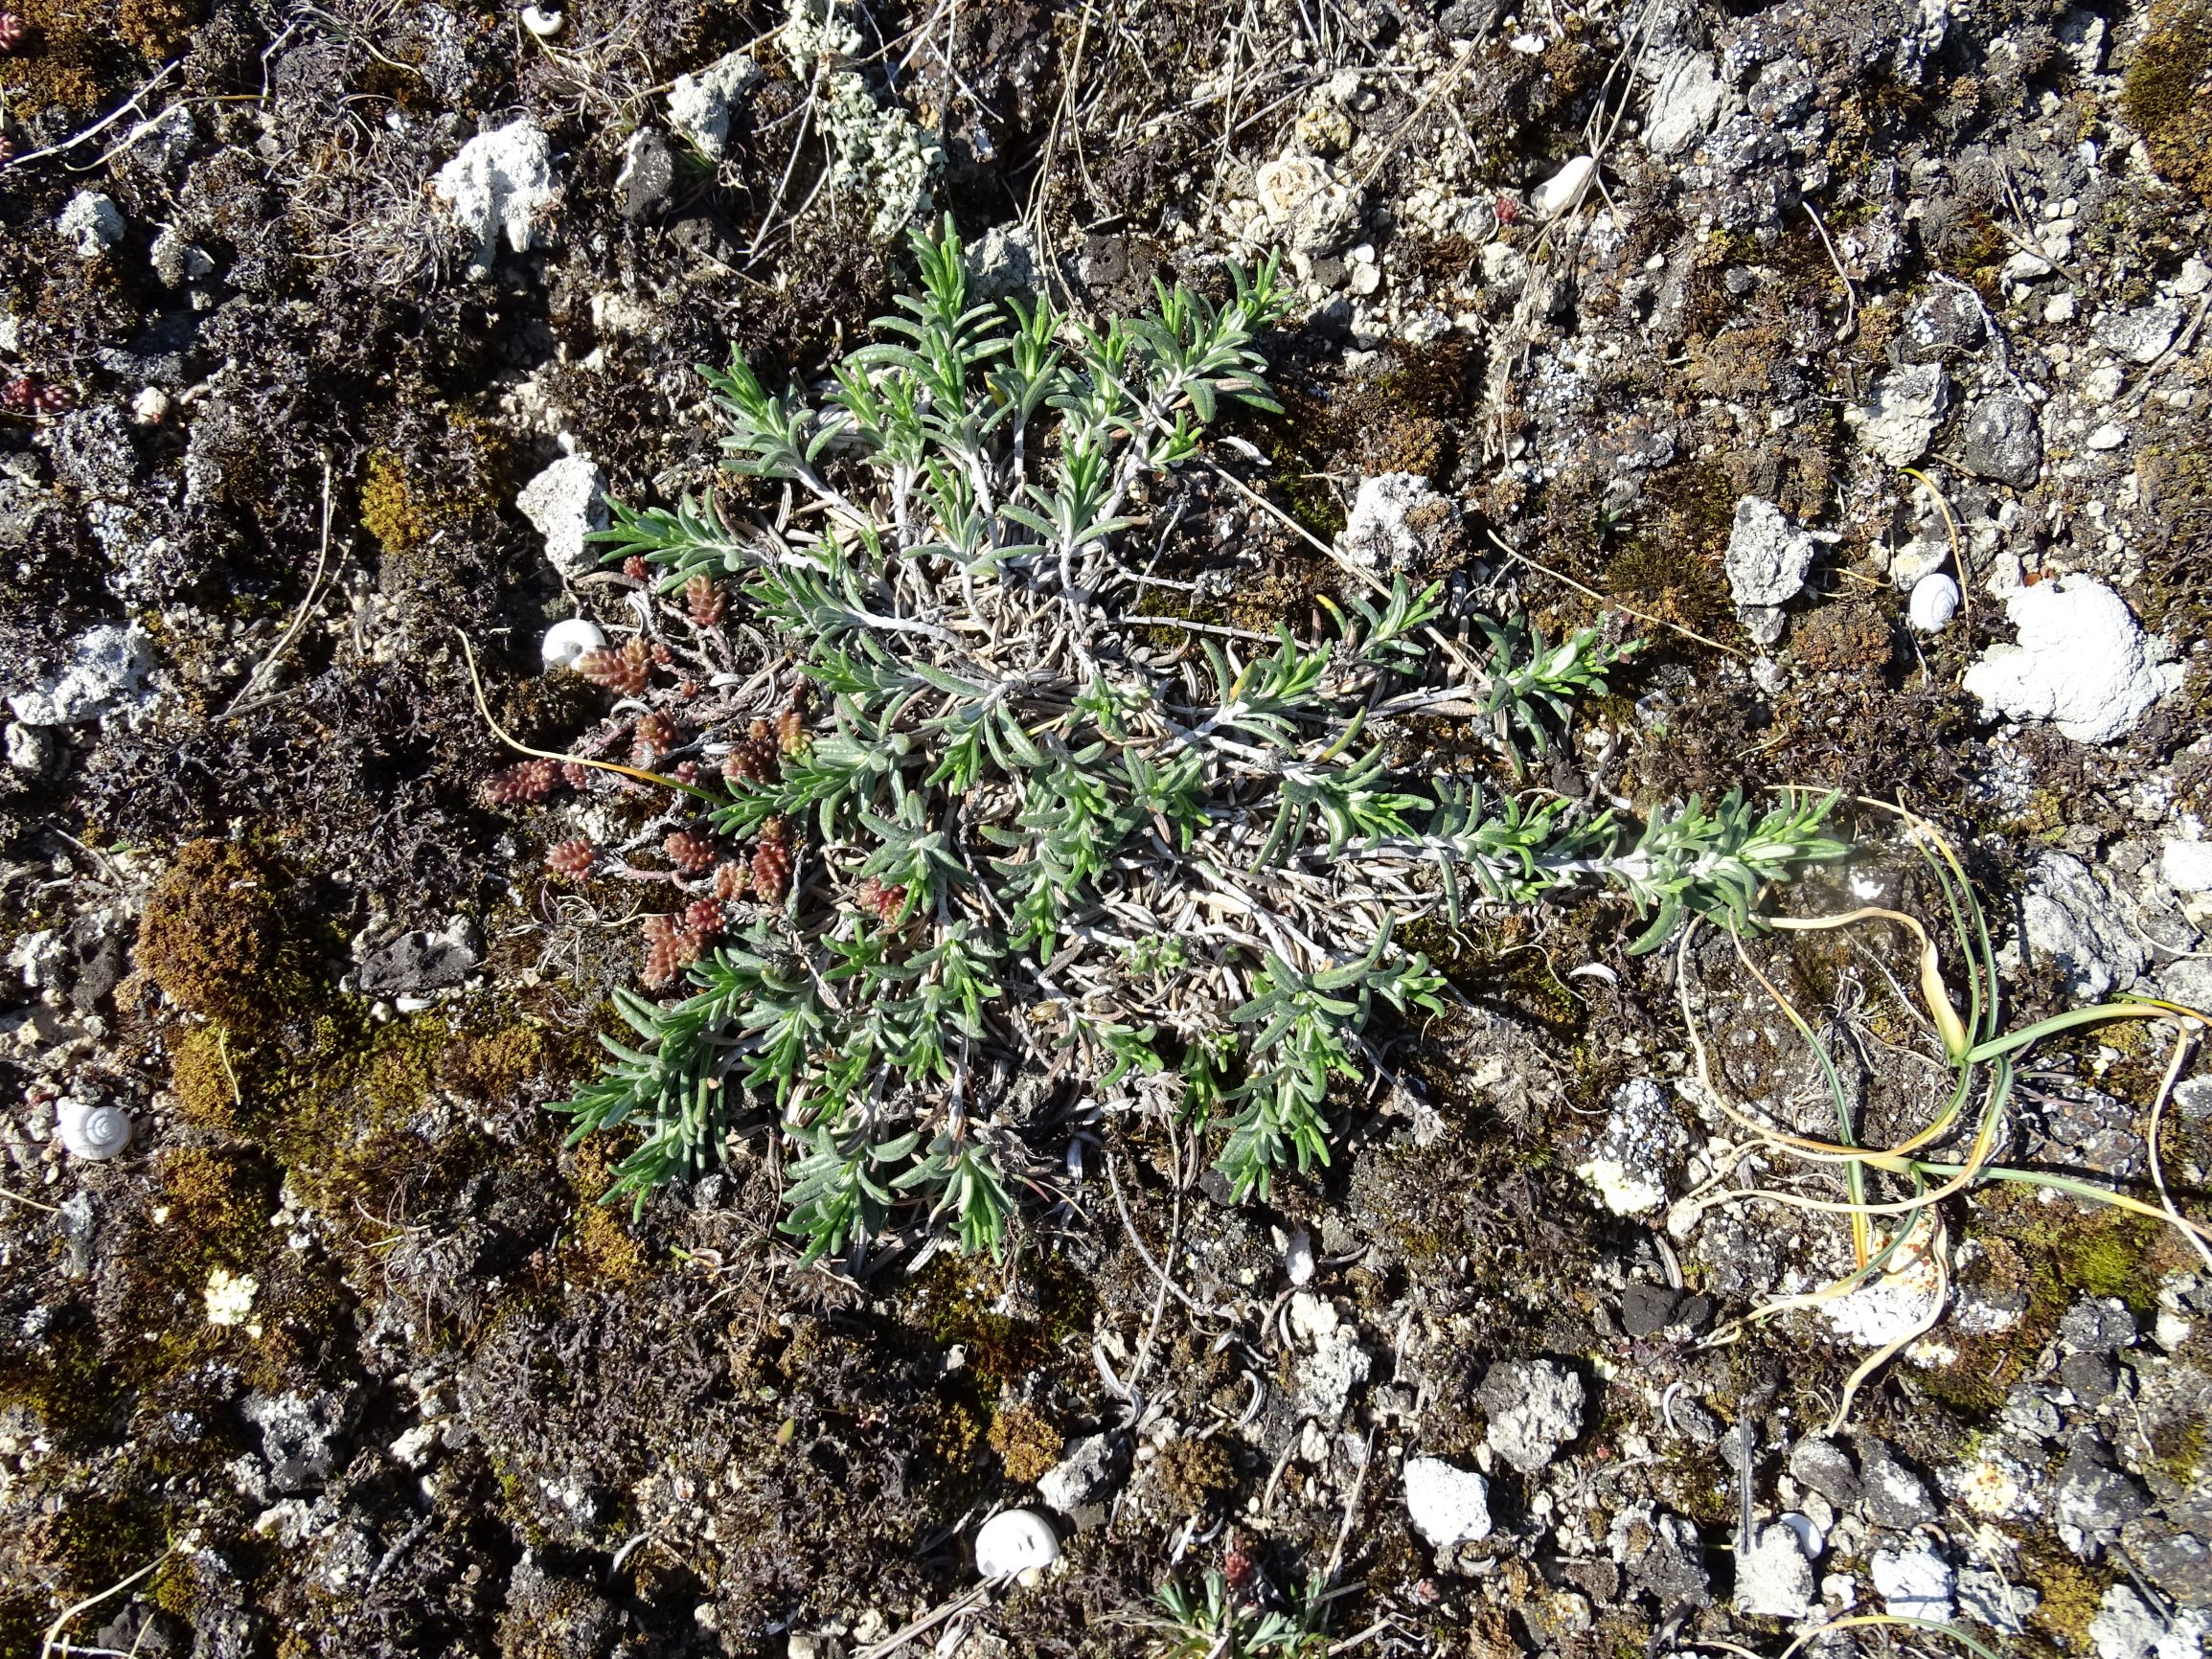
(1000, 776)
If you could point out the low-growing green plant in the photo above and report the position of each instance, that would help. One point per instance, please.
(1216, 1622)
(1031, 842)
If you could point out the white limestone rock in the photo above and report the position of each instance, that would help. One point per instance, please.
(2082, 662)
(1447, 1505)
(1774, 1578)
(1898, 421)
(92, 222)
(1768, 554)
(2073, 922)
(566, 501)
(1306, 203)
(107, 673)
(1628, 1169)
(1397, 523)
(2140, 336)
(2186, 866)
(1687, 98)
(1914, 1582)
(499, 183)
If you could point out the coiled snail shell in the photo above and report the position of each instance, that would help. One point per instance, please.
(566, 641)
(1015, 1543)
(94, 1132)
(1934, 603)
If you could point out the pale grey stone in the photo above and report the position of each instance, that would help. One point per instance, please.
(1447, 1505)
(565, 503)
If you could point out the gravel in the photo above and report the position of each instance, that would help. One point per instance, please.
(1991, 1600)
(1826, 1468)
(300, 1434)
(2002, 440)
(2093, 1496)
(2098, 1324)
(2126, 1627)
(2186, 866)
(1334, 1362)
(1090, 1467)
(1894, 1496)
(2178, 1561)
(2140, 336)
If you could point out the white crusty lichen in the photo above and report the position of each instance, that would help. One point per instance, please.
(814, 31)
(230, 1299)
(882, 153)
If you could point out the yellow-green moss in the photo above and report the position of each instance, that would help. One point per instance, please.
(597, 1240)
(388, 509)
(215, 937)
(1671, 566)
(1026, 1442)
(1194, 1473)
(2070, 1249)
(957, 1295)
(495, 1065)
(203, 1079)
(404, 508)
(96, 1540)
(219, 1199)
(2164, 96)
(2071, 1595)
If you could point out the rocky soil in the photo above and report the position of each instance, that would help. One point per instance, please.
(1856, 356)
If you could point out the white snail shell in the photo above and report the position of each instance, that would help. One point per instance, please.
(566, 641)
(1934, 603)
(1014, 1542)
(94, 1132)
(542, 21)
(1565, 188)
